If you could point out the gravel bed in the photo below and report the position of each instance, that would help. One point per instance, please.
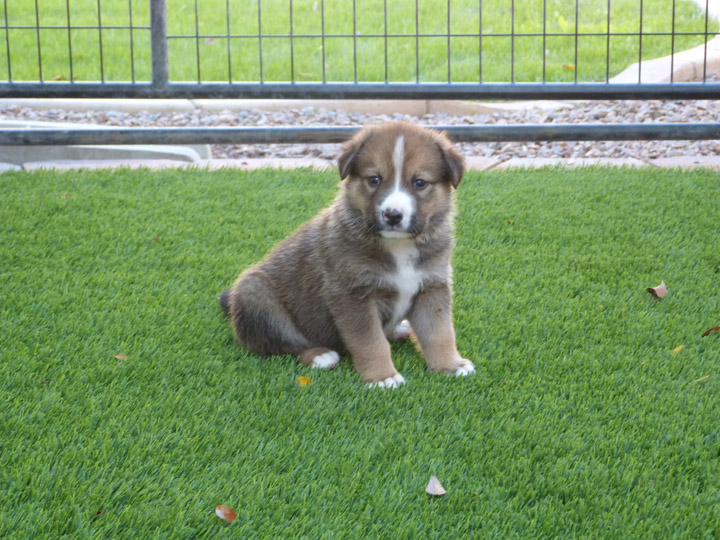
(575, 113)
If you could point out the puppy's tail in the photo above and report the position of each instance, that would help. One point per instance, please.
(224, 300)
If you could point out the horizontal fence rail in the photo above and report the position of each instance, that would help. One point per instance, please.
(427, 91)
(347, 49)
(294, 135)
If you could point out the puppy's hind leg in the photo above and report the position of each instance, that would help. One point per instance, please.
(260, 321)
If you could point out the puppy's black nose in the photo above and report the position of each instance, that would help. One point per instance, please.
(392, 217)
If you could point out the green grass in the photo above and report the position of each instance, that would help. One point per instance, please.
(580, 422)
(302, 60)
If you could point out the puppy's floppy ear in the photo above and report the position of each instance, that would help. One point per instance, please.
(350, 150)
(453, 160)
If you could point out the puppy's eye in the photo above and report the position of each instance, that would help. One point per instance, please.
(374, 181)
(419, 184)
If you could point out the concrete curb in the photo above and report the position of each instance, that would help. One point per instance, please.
(474, 163)
(416, 108)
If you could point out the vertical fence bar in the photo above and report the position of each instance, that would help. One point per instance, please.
(260, 36)
(607, 45)
(37, 32)
(577, 34)
(100, 43)
(672, 45)
(292, 45)
(386, 39)
(707, 17)
(355, 75)
(69, 34)
(132, 43)
(480, 43)
(322, 32)
(7, 41)
(449, 73)
(544, 43)
(159, 44)
(229, 53)
(512, 41)
(197, 43)
(640, 36)
(417, 41)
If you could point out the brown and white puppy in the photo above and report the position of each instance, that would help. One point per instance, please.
(366, 269)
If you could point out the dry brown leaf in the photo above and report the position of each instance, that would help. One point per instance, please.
(678, 349)
(121, 356)
(569, 66)
(157, 239)
(706, 333)
(68, 195)
(435, 488)
(659, 291)
(303, 381)
(225, 512)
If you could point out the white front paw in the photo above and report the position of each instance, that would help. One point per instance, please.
(467, 368)
(326, 360)
(391, 382)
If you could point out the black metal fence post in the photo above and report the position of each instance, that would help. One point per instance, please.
(159, 44)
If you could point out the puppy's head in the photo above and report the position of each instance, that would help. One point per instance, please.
(400, 178)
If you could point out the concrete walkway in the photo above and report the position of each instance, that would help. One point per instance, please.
(473, 163)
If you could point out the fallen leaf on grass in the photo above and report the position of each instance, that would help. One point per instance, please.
(569, 66)
(209, 41)
(303, 381)
(59, 78)
(225, 512)
(121, 356)
(678, 349)
(157, 239)
(68, 195)
(435, 488)
(659, 291)
(706, 333)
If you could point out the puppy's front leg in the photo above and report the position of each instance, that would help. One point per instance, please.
(361, 330)
(431, 319)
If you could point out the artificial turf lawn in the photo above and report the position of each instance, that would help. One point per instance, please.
(580, 422)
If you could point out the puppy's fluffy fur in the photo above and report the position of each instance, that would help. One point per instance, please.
(345, 281)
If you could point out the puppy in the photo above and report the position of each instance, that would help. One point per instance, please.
(346, 281)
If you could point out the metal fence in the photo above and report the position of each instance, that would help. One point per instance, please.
(349, 49)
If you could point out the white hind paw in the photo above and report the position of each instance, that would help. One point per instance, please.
(391, 382)
(326, 360)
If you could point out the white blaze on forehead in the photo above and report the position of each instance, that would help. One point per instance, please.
(399, 199)
(399, 160)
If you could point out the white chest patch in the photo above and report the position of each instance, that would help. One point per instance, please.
(406, 279)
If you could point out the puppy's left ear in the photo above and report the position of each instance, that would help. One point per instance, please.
(350, 150)
(454, 161)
